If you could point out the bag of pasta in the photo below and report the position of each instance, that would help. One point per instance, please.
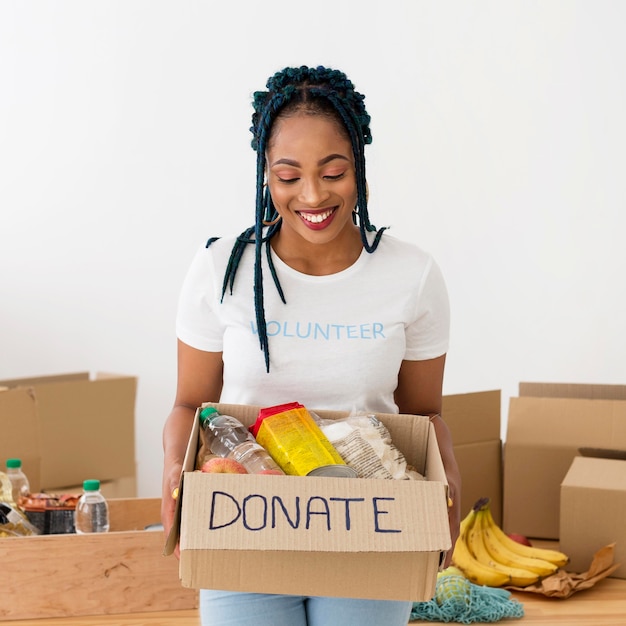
(364, 443)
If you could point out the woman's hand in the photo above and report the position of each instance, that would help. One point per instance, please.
(419, 392)
(171, 480)
(454, 506)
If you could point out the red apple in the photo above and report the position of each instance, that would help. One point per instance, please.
(272, 471)
(520, 539)
(219, 465)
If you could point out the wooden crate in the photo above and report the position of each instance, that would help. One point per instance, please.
(122, 571)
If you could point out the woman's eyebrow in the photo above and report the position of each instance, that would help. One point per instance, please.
(326, 159)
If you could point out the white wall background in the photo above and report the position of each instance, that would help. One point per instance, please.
(499, 144)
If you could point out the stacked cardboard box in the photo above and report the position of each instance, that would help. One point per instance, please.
(548, 423)
(474, 422)
(71, 427)
(593, 509)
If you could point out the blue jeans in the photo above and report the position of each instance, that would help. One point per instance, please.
(229, 608)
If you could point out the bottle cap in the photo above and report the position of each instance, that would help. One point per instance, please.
(207, 414)
(91, 484)
(14, 463)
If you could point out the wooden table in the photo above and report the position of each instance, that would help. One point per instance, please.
(603, 605)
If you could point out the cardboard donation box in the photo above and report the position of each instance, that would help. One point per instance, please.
(593, 510)
(85, 429)
(547, 425)
(474, 423)
(317, 535)
(122, 571)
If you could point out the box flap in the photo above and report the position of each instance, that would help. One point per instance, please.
(44, 380)
(473, 417)
(597, 474)
(603, 453)
(573, 390)
(566, 423)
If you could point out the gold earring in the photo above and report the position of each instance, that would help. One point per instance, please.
(274, 221)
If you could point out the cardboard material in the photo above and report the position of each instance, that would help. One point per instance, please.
(474, 423)
(86, 427)
(122, 571)
(119, 488)
(19, 432)
(544, 434)
(316, 535)
(593, 511)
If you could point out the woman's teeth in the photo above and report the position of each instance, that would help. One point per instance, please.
(316, 218)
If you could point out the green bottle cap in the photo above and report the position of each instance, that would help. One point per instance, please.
(14, 463)
(91, 484)
(207, 414)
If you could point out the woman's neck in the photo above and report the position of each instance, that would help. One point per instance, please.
(318, 259)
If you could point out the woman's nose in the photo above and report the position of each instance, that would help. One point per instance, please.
(313, 192)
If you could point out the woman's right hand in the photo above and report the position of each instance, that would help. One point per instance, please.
(171, 481)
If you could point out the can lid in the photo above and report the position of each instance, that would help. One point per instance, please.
(340, 471)
(92, 484)
(14, 463)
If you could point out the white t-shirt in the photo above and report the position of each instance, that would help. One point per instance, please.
(339, 340)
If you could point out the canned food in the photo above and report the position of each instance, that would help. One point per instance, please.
(52, 514)
(340, 471)
(52, 521)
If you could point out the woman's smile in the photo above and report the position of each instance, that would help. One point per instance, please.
(317, 219)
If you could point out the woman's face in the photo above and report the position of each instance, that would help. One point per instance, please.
(311, 177)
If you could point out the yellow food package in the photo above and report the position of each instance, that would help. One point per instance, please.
(294, 440)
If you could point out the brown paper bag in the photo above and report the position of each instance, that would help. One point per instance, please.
(563, 584)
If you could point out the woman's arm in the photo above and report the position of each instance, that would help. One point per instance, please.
(199, 380)
(419, 392)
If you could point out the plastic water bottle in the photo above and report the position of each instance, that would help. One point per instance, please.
(19, 480)
(92, 510)
(229, 438)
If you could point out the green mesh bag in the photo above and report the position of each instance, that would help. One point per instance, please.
(459, 600)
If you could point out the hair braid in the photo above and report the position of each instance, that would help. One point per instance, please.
(320, 90)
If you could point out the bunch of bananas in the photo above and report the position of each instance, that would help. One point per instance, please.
(488, 556)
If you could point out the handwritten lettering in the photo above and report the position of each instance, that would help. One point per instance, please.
(257, 512)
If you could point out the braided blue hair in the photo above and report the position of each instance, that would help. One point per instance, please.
(318, 90)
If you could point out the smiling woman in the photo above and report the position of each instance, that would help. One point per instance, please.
(349, 318)
(312, 183)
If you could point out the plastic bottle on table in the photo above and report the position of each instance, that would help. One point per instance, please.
(19, 480)
(229, 438)
(92, 510)
(6, 489)
(13, 521)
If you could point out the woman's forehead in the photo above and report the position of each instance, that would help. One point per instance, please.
(298, 130)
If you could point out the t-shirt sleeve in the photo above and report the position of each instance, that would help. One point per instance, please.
(197, 323)
(428, 336)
